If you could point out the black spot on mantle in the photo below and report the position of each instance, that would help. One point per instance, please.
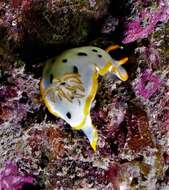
(94, 50)
(68, 114)
(51, 78)
(82, 54)
(75, 69)
(64, 60)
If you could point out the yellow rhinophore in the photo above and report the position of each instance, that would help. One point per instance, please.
(69, 85)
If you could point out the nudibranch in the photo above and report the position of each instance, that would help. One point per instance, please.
(69, 85)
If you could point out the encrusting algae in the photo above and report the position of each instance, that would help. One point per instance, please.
(69, 85)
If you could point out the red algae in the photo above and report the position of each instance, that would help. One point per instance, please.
(139, 135)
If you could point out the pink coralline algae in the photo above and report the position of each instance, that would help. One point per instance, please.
(145, 22)
(147, 85)
(12, 179)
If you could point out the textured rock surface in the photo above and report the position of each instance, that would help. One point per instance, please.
(51, 22)
(40, 151)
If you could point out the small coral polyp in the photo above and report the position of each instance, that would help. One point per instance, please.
(69, 85)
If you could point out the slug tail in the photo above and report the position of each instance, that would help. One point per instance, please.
(91, 132)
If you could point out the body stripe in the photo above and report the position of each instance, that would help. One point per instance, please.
(89, 100)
